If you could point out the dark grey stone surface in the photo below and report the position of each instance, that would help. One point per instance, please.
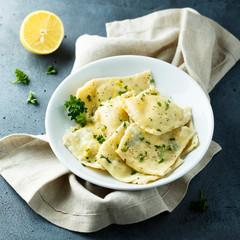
(220, 180)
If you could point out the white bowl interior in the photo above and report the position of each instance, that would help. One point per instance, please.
(169, 80)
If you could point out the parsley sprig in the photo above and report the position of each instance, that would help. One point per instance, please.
(76, 110)
(31, 98)
(201, 204)
(51, 70)
(21, 77)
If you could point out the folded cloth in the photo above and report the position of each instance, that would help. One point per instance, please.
(182, 37)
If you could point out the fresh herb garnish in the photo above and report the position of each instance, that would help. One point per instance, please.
(171, 139)
(105, 158)
(159, 104)
(140, 157)
(31, 98)
(153, 93)
(21, 77)
(124, 124)
(201, 204)
(51, 70)
(125, 149)
(148, 142)
(83, 164)
(142, 138)
(152, 81)
(166, 105)
(122, 92)
(89, 98)
(159, 130)
(76, 110)
(100, 139)
(133, 172)
(169, 148)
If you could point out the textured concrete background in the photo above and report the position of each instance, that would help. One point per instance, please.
(220, 180)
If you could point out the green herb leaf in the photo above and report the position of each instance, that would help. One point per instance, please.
(166, 105)
(21, 77)
(51, 70)
(105, 158)
(171, 139)
(140, 157)
(133, 172)
(125, 149)
(153, 93)
(152, 81)
(122, 92)
(100, 139)
(159, 104)
(89, 98)
(124, 124)
(31, 98)
(83, 164)
(200, 205)
(76, 110)
(142, 138)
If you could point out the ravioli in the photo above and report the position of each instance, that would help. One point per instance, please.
(84, 143)
(111, 114)
(111, 161)
(155, 113)
(99, 90)
(132, 131)
(153, 154)
(193, 142)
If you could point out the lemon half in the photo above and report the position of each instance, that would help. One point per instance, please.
(41, 32)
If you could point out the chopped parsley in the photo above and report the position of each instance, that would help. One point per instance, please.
(159, 104)
(89, 98)
(105, 158)
(142, 138)
(76, 110)
(94, 135)
(201, 204)
(31, 98)
(169, 148)
(125, 149)
(51, 70)
(157, 146)
(152, 81)
(133, 172)
(148, 142)
(21, 77)
(140, 157)
(171, 139)
(124, 124)
(122, 92)
(159, 130)
(100, 139)
(153, 93)
(126, 87)
(83, 164)
(166, 105)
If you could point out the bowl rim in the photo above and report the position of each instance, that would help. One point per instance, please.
(128, 186)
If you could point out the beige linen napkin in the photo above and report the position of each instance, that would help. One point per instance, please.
(182, 37)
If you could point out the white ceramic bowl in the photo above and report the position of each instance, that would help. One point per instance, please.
(170, 81)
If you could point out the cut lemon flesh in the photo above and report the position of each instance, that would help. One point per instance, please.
(41, 32)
